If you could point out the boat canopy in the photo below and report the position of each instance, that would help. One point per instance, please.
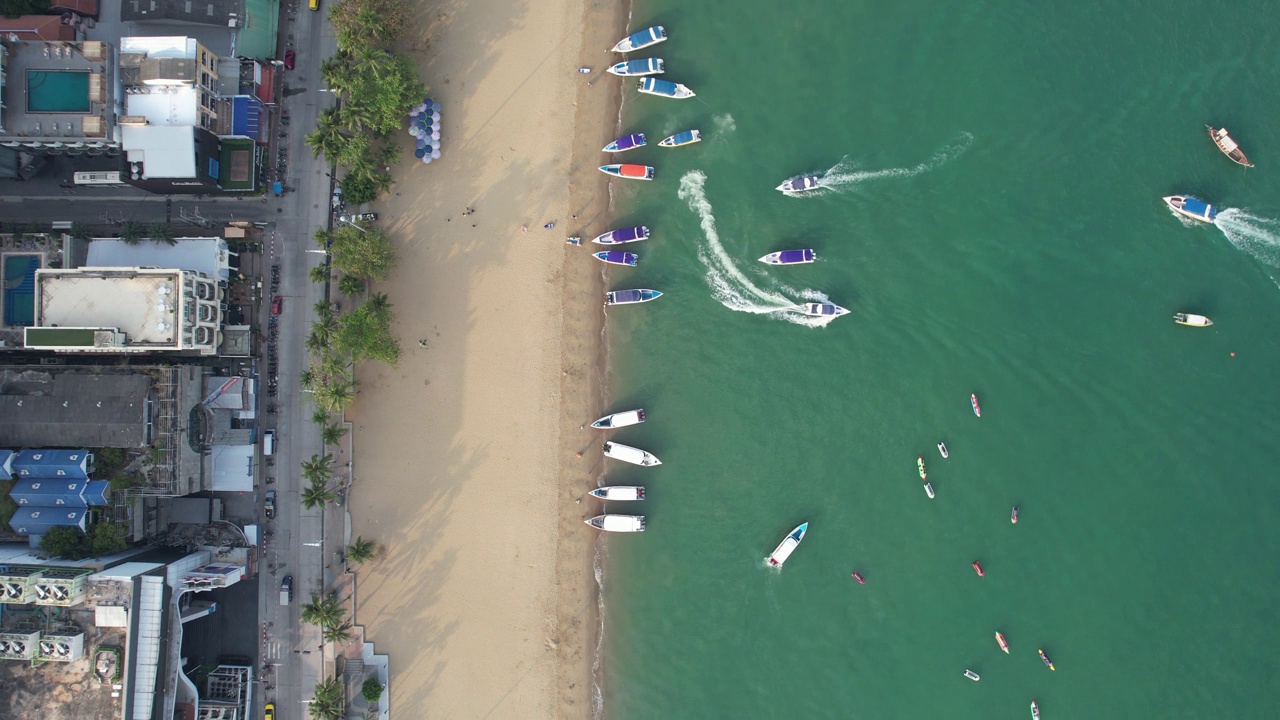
(635, 67)
(795, 256)
(622, 492)
(1198, 207)
(1227, 143)
(628, 234)
(631, 141)
(645, 37)
(618, 523)
(661, 87)
(622, 297)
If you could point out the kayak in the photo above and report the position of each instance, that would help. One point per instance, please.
(973, 400)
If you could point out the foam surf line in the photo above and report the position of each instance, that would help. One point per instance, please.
(1257, 236)
(846, 173)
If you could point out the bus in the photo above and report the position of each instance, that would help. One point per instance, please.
(100, 179)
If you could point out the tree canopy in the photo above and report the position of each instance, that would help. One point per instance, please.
(363, 252)
(103, 538)
(365, 333)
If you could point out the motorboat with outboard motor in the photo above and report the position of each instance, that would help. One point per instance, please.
(858, 576)
(800, 183)
(822, 310)
(630, 297)
(1191, 320)
(629, 454)
(629, 171)
(928, 490)
(787, 546)
(920, 467)
(622, 236)
(685, 137)
(641, 40)
(665, 88)
(619, 419)
(638, 68)
(1191, 208)
(619, 493)
(1035, 711)
(625, 143)
(617, 257)
(972, 675)
(790, 257)
(942, 448)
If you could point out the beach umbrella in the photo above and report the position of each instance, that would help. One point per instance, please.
(422, 142)
(435, 116)
(427, 160)
(419, 153)
(435, 106)
(426, 101)
(435, 135)
(435, 153)
(427, 147)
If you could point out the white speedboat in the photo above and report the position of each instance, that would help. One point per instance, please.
(622, 236)
(942, 448)
(787, 546)
(620, 493)
(626, 453)
(686, 137)
(799, 184)
(1189, 207)
(665, 88)
(972, 675)
(638, 68)
(617, 523)
(790, 257)
(641, 40)
(1192, 320)
(620, 419)
(823, 310)
(928, 490)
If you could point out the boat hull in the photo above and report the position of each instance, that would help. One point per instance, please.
(787, 546)
(928, 490)
(630, 297)
(973, 402)
(632, 455)
(800, 184)
(942, 449)
(619, 493)
(1045, 659)
(629, 172)
(823, 310)
(638, 68)
(790, 257)
(641, 40)
(688, 137)
(1191, 208)
(665, 88)
(622, 236)
(620, 419)
(617, 257)
(1004, 645)
(625, 143)
(617, 523)
(1191, 320)
(1228, 146)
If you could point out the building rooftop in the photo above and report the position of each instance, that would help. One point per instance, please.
(73, 409)
(164, 151)
(37, 27)
(171, 105)
(143, 304)
(203, 12)
(166, 46)
(209, 256)
(58, 92)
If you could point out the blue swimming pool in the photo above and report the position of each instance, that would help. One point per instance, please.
(20, 290)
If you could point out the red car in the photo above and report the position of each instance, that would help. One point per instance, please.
(277, 304)
(289, 58)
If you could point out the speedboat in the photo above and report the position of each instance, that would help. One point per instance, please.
(823, 310)
(617, 523)
(630, 297)
(619, 419)
(622, 235)
(790, 257)
(1228, 146)
(973, 401)
(1045, 659)
(942, 448)
(629, 171)
(641, 40)
(1191, 320)
(621, 493)
(787, 546)
(625, 143)
(920, 465)
(665, 88)
(638, 68)
(1013, 516)
(626, 453)
(616, 257)
(972, 675)
(858, 576)
(1004, 645)
(928, 490)
(1189, 207)
(799, 184)
(688, 137)
(1035, 711)
(977, 567)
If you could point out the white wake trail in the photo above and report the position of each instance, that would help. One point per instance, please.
(1257, 236)
(845, 174)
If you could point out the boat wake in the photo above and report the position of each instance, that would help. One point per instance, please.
(728, 284)
(1257, 236)
(846, 175)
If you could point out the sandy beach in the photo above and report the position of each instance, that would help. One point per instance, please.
(466, 453)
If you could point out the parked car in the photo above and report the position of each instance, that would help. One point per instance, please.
(290, 57)
(270, 712)
(277, 305)
(358, 218)
(269, 504)
(337, 198)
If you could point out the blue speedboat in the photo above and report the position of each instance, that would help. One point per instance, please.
(630, 297)
(641, 40)
(623, 235)
(664, 88)
(790, 257)
(1192, 208)
(623, 144)
(688, 137)
(617, 257)
(638, 68)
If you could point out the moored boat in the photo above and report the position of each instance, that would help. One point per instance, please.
(620, 493)
(971, 675)
(1013, 516)
(629, 454)
(1045, 659)
(787, 546)
(622, 235)
(1228, 146)
(920, 466)
(1035, 711)
(800, 183)
(1192, 208)
(1191, 320)
(977, 567)
(641, 40)
(1004, 645)
(790, 257)
(973, 402)
(942, 448)
(628, 171)
(665, 88)
(688, 137)
(630, 297)
(638, 68)
(616, 257)
(619, 419)
(823, 310)
(858, 576)
(625, 143)
(617, 523)
(928, 490)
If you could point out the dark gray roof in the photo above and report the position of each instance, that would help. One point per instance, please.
(39, 408)
(201, 12)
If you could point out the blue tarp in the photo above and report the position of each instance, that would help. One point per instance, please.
(38, 520)
(1199, 207)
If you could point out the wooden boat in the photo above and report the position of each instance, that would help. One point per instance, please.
(628, 171)
(858, 576)
(617, 523)
(1045, 659)
(1191, 320)
(688, 137)
(799, 184)
(630, 297)
(790, 257)
(625, 143)
(823, 310)
(972, 675)
(622, 235)
(621, 493)
(1035, 711)
(787, 546)
(641, 40)
(629, 454)
(977, 567)
(1228, 146)
(619, 419)
(665, 88)
(973, 402)
(617, 257)
(1189, 207)
(920, 466)
(1004, 644)
(638, 68)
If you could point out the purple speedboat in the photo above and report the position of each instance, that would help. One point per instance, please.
(617, 257)
(790, 257)
(622, 144)
(623, 235)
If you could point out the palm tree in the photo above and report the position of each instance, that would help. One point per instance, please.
(319, 417)
(308, 379)
(131, 233)
(162, 233)
(317, 339)
(319, 274)
(361, 551)
(323, 610)
(327, 701)
(316, 495)
(351, 286)
(337, 633)
(332, 434)
(317, 469)
(80, 232)
(379, 305)
(328, 138)
(335, 397)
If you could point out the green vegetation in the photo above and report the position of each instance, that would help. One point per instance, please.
(103, 538)
(7, 506)
(363, 252)
(132, 232)
(371, 690)
(316, 495)
(18, 8)
(365, 333)
(332, 434)
(318, 469)
(327, 702)
(361, 551)
(327, 612)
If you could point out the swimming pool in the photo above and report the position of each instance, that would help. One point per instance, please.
(58, 91)
(20, 289)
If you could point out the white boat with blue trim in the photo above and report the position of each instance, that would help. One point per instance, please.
(822, 310)
(620, 493)
(790, 257)
(619, 419)
(800, 183)
(638, 68)
(617, 523)
(665, 88)
(625, 143)
(787, 546)
(630, 297)
(622, 235)
(688, 137)
(632, 455)
(641, 40)
(1189, 207)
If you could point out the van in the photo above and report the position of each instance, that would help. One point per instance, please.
(313, 4)
(286, 590)
(269, 443)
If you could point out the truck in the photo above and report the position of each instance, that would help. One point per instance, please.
(286, 590)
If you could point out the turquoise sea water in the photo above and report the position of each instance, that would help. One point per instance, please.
(996, 227)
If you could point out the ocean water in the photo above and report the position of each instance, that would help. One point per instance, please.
(994, 224)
